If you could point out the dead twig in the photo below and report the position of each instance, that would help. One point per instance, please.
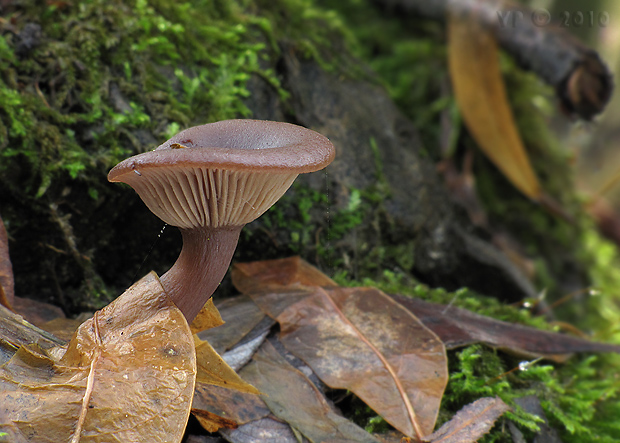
(583, 83)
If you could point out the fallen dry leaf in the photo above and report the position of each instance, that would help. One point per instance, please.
(312, 329)
(459, 327)
(361, 340)
(240, 315)
(481, 95)
(275, 301)
(456, 327)
(208, 317)
(126, 376)
(356, 339)
(264, 430)
(281, 273)
(292, 397)
(212, 370)
(280, 282)
(215, 408)
(213, 422)
(471, 422)
(222, 398)
(16, 332)
(37, 312)
(6, 269)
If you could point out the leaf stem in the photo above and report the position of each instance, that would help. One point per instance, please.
(90, 382)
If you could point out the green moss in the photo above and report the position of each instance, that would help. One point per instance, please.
(577, 397)
(105, 72)
(142, 48)
(603, 298)
(302, 216)
(318, 33)
(175, 63)
(573, 396)
(408, 56)
(329, 237)
(547, 236)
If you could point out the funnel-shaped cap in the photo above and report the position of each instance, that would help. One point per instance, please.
(223, 174)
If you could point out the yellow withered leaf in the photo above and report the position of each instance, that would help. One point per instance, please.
(481, 95)
(208, 317)
(213, 370)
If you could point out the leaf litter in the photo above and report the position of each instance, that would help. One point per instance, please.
(471, 422)
(345, 335)
(240, 315)
(361, 340)
(455, 326)
(292, 397)
(127, 375)
(222, 398)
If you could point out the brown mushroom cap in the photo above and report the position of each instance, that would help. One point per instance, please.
(223, 174)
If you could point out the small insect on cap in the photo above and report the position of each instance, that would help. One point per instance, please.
(223, 174)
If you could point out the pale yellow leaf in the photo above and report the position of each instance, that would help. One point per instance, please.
(481, 95)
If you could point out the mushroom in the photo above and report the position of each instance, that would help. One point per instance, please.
(210, 181)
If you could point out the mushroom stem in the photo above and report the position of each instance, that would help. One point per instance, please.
(200, 268)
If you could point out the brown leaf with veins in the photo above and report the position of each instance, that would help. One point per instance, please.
(318, 327)
(280, 283)
(456, 327)
(356, 339)
(361, 340)
(217, 407)
(126, 376)
(471, 422)
(459, 327)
